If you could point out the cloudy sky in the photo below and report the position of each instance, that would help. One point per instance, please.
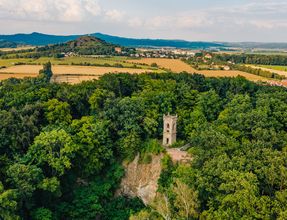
(206, 20)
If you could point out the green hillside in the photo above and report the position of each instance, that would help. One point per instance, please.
(86, 45)
(7, 44)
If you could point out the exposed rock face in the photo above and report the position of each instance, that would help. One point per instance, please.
(141, 179)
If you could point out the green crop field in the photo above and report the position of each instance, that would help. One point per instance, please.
(12, 62)
(89, 61)
(280, 68)
(81, 61)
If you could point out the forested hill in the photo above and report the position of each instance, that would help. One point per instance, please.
(85, 45)
(62, 146)
(157, 42)
(8, 44)
(38, 39)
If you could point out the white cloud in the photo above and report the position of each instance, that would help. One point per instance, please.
(114, 15)
(244, 20)
(50, 10)
(135, 22)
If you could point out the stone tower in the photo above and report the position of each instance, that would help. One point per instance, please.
(169, 130)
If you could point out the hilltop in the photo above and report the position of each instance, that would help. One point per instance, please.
(84, 45)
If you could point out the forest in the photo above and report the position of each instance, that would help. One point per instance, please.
(62, 147)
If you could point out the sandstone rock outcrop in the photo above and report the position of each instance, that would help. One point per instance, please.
(141, 179)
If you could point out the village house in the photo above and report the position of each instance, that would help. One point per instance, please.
(226, 68)
(208, 56)
(118, 49)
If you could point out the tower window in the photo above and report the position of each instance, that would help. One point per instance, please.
(167, 125)
(167, 141)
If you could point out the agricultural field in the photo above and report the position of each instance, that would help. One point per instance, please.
(274, 69)
(101, 61)
(280, 68)
(66, 73)
(12, 62)
(174, 65)
(180, 66)
(231, 73)
(84, 61)
(66, 69)
(73, 79)
(16, 49)
(4, 76)
(77, 69)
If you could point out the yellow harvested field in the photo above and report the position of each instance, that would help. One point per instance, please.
(177, 65)
(4, 76)
(65, 73)
(73, 79)
(22, 69)
(65, 69)
(77, 74)
(174, 65)
(231, 73)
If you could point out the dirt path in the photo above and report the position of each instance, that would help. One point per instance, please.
(177, 155)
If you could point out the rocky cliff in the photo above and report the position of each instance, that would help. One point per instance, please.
(140, 180)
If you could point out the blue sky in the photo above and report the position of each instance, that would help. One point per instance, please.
(205, 20)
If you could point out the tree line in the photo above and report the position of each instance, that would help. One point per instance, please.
(259, 59)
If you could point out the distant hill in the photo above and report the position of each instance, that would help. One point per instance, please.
(257, 45)
(38, 39)
(157, 42)
(8, 44)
